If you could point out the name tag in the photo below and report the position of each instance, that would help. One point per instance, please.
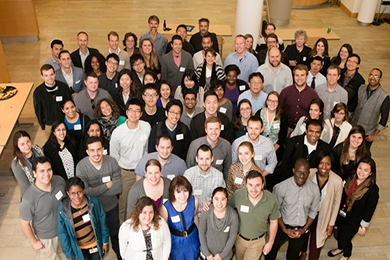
(342, 213)
(105, 152)
(170, 176)
(77, 82)
(143, 137)
(197, 192)
(238, 180)
(182, 69)
(336, 102)
(219, 162)
(179, 137)
(222, 127)
(58, 98)
(244, 208)
(164, 200)
(175, 219)
(222, 110)
(59, 195)
(258, 157)
(93, 250)
(304, 58)
(77, 127)
(86, 218)
(121, 62)
(276, 125)
(227, 229)
(106, 179)
(116, 85)
(242, 87)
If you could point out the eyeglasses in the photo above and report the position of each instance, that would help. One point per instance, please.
(245, 108)
(72, 194)
(352, 61)
(150, 95)
(136, 111)
(272, 101)
(113, 63)
(93, 103)
(138, 64)
(174, 113)
(373, 76)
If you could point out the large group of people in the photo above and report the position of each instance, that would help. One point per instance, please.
(168, 152)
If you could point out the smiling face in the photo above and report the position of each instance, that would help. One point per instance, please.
(113, 42)
(240, 45)
(274, 57)
(269, 29)
(340, 116)
(189, 101)
(255, 128)
(374, 78)
(139, 67)
(94, 130)
(164, 149)
(255, 85)
(314, 111)
(219, 201)
(188, 82)
(301, 173)
(313, 134)
(231, 77)
(320, 49)
(220, 92)
(206, 43)
(60, 132)
(146, 47)
(57, 48)
(146, 216)
(95, 64)
(95, 152)
(125, 82)
(49, 77)
(106, 109)
(112, 65)
(153, 175)
(300, 41)
(69, 109)
(177, 46)
(363, 171)
(24, 145)
(315, 66)
(248, 43)
(150, 97)
(324, 166)
(344, 54)
(82, 40)
(272, 102)
(332, 76)
(182, 32)
(203, 28)
(43, 174)
(300, 77)
(211, 105)
(173, 115)
(210, 59)
(245, 155)
(181, 195)
(352, 63)
(134, 113)
(65, 60)
(255, 187)
(355, 140)
(153, 26)
(130, 42)
(165, 91)
(204, 160)
(213, 131)
(149, 79)
(245, 110)
(76, 195)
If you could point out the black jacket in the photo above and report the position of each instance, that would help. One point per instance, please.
(75, 56)
(352, 88)
(197, 127)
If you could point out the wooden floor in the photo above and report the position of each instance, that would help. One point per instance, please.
(63, 19)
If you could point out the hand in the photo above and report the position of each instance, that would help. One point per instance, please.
(206, 206)
(38, 245)
(329, 230)
(217, 257)
(105, 248)
(109, 184)
(292, 62)
(362, 230)
(74, 95)
(267, 248)
(370, 138)
(276, 147)
(210, 257)
(290, 232)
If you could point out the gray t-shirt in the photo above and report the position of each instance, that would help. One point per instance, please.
(84, 102)
(41, 207)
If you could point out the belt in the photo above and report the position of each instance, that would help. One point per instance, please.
(128, 170)
(248, 239)
(184, 233)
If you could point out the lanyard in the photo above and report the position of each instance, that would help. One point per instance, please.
(349, 193)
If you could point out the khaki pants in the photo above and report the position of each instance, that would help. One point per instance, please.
(249, 250)
(52, 249)
(47, 131)
(128, 179)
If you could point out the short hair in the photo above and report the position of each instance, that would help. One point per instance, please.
(153, 18)
(256, 118)
(302, 161)
(82, 32)
(337, 108)
(93, 139)
(90, 74)
(152, 86)
(112, 33)
(153, 162)
(177, 37)
(209, 93)
(239, 36)
(62, 52)
(272, 35)
(46, 67)
(219, 189)
(189, 91)
(174, 102)
(334, 67)
(211, 51)
(56, 41)
(181, 26)
(252, 174)
(322, 154)
(356, 56)
(39, 160)
(301, 67)
(232, 67)
(136, 57)
(134, 101)
(299, 33)
(206, 36)
(178, 184)
(66, 100)
(130, 34)
(164, 136)
(204, 148)
(256, 74)
(212, 119)
(114, 56)
(380, 76)
(74, 181)
(317, 58)
(314, 122)
(204, 20)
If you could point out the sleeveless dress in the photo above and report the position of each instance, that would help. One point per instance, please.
(183, 247)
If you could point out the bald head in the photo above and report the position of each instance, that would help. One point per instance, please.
(301, 171)
(274, 57)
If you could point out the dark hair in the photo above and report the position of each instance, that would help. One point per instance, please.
(215, 84)
(174, 102)
(46, 67)
(279, 111)
(39, 160)
(166, 82)
(190, 74)
(152, 86)
(153, 162)
(337, 60)
(356, 56)
(326, 46)
(62, 52)
(320, 104)
(82, 32)
(334, 67)
(272, 35)
(19, 134)
(176, 37)
(255, 174)
(66, 100)
(337, 108)
(204, 148)
(314, 122)
(114, 108)
(237, 124)
(322, 154)
(211, 51)
(204, 20)
(134, 101)
(114, 56)
(181, 26)
(135, 57)
(189, 91)
(137, 210)
(133, 88)
(372, 164)
(74, 181)
(93, 139)
(256, 74)
(56, 41)
(209, 93)
(130, 34)
(302, 161)
(219, 189)
(153, 18)
(164, 136)
(232, 67)
(154, 76)
(90, 74)
(256, 118)
(90, 123)
(178, 184)
(378, 70)
(317, 58)
(52, 141)
(360, 152)
(101, 60)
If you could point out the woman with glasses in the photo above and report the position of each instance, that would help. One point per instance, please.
(339, 124)
(240, 121)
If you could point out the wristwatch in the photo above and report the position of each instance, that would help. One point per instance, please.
(306, 230)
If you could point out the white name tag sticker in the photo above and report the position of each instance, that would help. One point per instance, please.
(242, 87)
(222, 127)
(86, 218)
(77, 127)
(304, 58)
(175, 219)
(197, 192)
(258, 157)
(116, 85)
(182, 69)
(58, 98)
(164, 200)
(106, 179)
(222, 110)
(105, 152)
(121, 62)
(59, 195)
(276, 125)
(219, 162)
(244, 208)
(179, 137)
(227, 229)
(171, 176)
(238, 180)
(143, 137)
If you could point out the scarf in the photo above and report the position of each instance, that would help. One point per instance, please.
(202, 78)
(358, 192)
(108, 125)
(37, 151)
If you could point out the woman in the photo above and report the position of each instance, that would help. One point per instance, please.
(93, 128)
(188, 81)
(180, 213)
(316, 109)
(338, 123)
(108, 115)
(240, 121)
(61, 150)
(144, 235)
(358, 203)
(320, 49)
(341, 58)
(298, 52)
(208, 71)
(249, 44)
(349, 152)
(165, 94)
(331, 189)
(126, 90)
(25, 152)
(149, 77)
(130, 43)
(95, 62)
(234, 86)
(152, 185)
(224, 105)
(275, 123)
(75, 121)
(81, 228)
(238, 170)
(268, 28)
(218, 228)
(150, 56)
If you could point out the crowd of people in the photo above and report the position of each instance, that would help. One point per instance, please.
(165, 151)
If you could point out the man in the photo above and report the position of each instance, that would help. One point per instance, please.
(298, 200)
(56, 46)
(129, 142)
(113, 42)
(137, 63)
(221, 148)
(203, 177)
(175, 62)
(196, 39)
(246, 62)
(159, 40)
(171, 126)
(48, 96)
(39, 210)
(171, 164)
(190, 108)
(181, 30)
(332, 93)
(86, 99)
(101, 175)
(109, 79)
(277, 75)
(210, 104)
(351, 80)
(80, 55)
(200, 55)
(69, 74)
(295, 99)
(265, 157)
(269, 29)
(151, 112)
(255, 94)
(255, 208)
(272, 41)
(315, 78)
(373, 106)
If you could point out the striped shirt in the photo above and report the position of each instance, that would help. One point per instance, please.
(83, 228)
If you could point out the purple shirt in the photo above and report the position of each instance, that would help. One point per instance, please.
(232, 95)
(296, 104)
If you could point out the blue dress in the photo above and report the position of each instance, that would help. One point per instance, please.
(183, 247)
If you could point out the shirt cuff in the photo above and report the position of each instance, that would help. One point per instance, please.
(381, 127)
(364, 223)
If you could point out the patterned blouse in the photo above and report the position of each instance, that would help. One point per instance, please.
(236, 176)
(270, 131)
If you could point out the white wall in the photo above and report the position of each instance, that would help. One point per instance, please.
(354, 6)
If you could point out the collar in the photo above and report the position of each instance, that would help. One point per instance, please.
(80, 53)
(119, 51)
(305, 142)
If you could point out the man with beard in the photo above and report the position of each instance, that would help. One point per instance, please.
(196, 39)
(159, 40)
(272, 41)
(200, 55)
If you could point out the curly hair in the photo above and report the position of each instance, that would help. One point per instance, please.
(137, 210)
(98, 112)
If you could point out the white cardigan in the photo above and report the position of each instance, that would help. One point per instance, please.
(132, 244)
(300, 129)
(344, 131)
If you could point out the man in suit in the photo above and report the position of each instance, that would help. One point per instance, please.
(69, 74)
(174, 63)
(181, 30)
(80, 55)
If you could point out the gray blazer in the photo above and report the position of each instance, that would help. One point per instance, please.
(172, 73)
(78, 78)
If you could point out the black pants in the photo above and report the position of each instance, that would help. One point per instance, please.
(112, 221)
(346, 232)
(294, 246)
(88, 256)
